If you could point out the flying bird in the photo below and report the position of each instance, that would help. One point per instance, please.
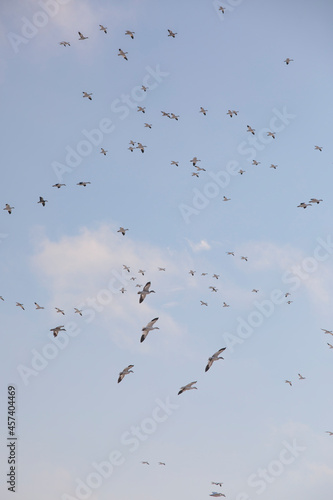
(226, 199)
(145, 292)
(244, 258)
(203, 111)
(203, 303)
(148, 125)
(301, 377)
(126, 268)
(59, 311)
(148, 328)
(8, 208)
(187, 387)
(271, 134)
(125, 371)
(231, 112)
(42, 201)
(288, 382)
(141, 147)
(130, 33)
(215, 494)
(64, 43)
(102, 28)
(123, 54)
(83, 183)
(213, 289)
(20, 305)
(315, 200)
(58, 185)
(146, 463)
(85, 94)
(171, 33)
(140, 108)
(78, 311)
(214, 357)
(287, 61)
(82, 37)
(319, 148)
(304, 205)
(330, 332)
(194, 161)
(122, 231)
(38, 306)
(250, 129)
(103, 151)
(217, 484)
(57, 329)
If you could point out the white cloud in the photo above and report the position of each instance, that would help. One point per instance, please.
(198, 247)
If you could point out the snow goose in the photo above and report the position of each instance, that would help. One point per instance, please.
(148, 328)
(145, 292)
(187, 387)
(123, 54)
(214, 357)
(125, 371)
(8, 208)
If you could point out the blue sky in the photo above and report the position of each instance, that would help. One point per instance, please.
(243, 426)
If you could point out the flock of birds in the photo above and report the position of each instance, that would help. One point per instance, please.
(146, 289)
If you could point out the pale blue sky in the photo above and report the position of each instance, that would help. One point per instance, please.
(72, 413)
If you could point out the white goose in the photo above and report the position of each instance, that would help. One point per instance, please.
(187, 387)
(8, 208)
(250, 129)
(85, 94)
(122, 231)
(103, 151)
(125, 371)
(57, 329)
(64, 43)
(203, 111)
(38, 306)
(123, 54)
(82, 37)
(148, 328)
(102, 28)
(145, 292)
(130, 33)
(213, 358)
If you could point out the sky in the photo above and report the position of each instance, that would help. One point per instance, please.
(80, 434)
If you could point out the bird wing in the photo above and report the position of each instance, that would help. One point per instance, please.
(147, 286)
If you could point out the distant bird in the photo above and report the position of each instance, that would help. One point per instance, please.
(57, 329)
(133, 278)
(214, 357)
(244, 258)
(1, 298)
(103, 151)
(231, 112)
(195, 174)
(273, 166)
(203, 111)
(222, 9)
(217, 484)
(122, 290)
(85, 94)
(42, 201)
(165, 114)
(161, 268)
(132, 143)
(148, 328)
(131, 148)
(287, 61)
(301, 377)
(330, 332)
(194, 161)
(171, 33)
(78, 311)
(140, 108)
(215, 494)
(161, 463)
(146, 463)
(140, 271)
(250, 129)
(58, 185)
(204, 274)
(231, 253)
(330, 345)
(254, 162)
(319, 148)
(226, 199)
(329, 432)
(289, 301)
(304, 205)
(130, 33)
(122, 231)
(141, 147)
(199, 168)
(148, 125)
(20, 305)
(315, 200)
(191, 272)
(225, 304)
(203, 303)
(213, 289)
(174, 163)
(59, 311)
(144, 88)
(216, 276)
(271, 134)
(241, 171)
(83, 183)
(123, 54)
(126, 268)
(255, 291)
(38, 306)
(288, 382)
(174, 117)
(287, 294)
(145, 292)
(138, 286)
(102, 28)
(187, 387)
(125, 371)
(8, 208)
(82, 37)
(64, 43)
